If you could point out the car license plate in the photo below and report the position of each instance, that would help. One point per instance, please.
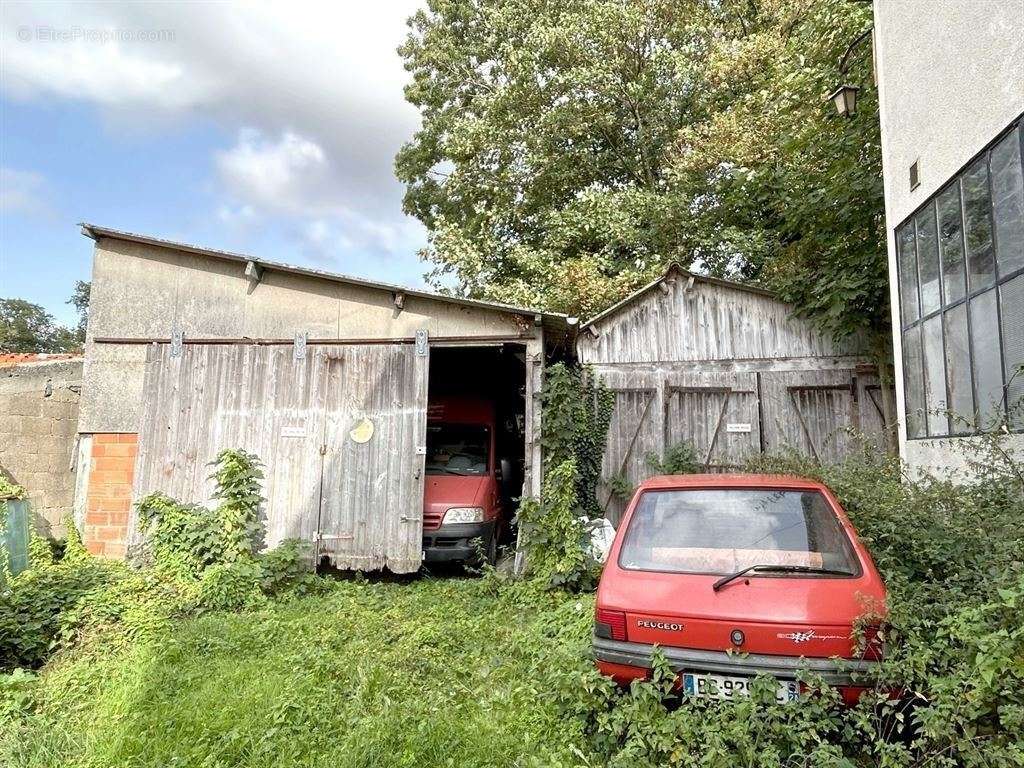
(724, 687)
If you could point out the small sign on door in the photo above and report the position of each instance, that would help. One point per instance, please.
(737, 426)
(293, 432)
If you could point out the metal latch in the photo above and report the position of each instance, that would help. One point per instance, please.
(407, 519)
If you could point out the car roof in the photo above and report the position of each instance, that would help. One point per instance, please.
(729, 480)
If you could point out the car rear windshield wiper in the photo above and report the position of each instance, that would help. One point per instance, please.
(777, 569)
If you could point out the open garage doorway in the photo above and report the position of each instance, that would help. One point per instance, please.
(475, 451)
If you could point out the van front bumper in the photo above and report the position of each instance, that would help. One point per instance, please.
(837, 672)
(456, 542)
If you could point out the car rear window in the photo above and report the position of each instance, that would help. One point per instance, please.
(720, 531)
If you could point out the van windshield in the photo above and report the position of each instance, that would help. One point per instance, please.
(457, 449)
(721, 531)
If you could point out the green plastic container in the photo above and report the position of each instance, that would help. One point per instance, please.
(14, 522)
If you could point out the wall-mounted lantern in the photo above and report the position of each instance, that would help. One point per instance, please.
(845, 96)
(845, 99)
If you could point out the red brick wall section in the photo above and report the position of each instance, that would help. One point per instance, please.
(109, 494)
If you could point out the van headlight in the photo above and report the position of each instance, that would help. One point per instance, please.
(464, 515)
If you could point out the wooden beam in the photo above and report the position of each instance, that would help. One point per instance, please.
(468, 340)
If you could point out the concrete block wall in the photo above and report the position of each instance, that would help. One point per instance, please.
(109, 493)
(38, 425)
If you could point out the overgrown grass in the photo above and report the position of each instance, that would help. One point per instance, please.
(247, 662)
(419, 674)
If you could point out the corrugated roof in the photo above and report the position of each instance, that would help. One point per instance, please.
(551, 320)
(676, 270)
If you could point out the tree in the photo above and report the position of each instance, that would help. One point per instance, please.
(26, 327)
(570, 149)
(80, 301)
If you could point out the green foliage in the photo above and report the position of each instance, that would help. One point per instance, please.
(500, 674)
(33, 603)
(80, 301)
(232, 586)
(555, 529)
(191, 537)
(680, 459)
(27, 327)
(194, 560)
(570, 150)
(238, 478)
(367, 674)
(555, 536)
(577, 410)
(8, 490)
(620, 487)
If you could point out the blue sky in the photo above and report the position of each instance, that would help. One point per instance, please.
(265, 129)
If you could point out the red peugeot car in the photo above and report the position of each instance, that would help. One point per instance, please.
(733, 576)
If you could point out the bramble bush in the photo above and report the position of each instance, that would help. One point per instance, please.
(191, 560)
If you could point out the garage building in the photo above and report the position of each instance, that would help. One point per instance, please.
(729, 369)
(327, 378)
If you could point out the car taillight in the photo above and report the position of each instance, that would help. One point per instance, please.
(851, 694)
(874, 644)
(610, 624)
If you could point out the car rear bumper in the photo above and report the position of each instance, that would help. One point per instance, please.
(838, 672)
(456, 543)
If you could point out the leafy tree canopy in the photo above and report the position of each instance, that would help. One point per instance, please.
(27, 327)
(80, 301)
(570, 149)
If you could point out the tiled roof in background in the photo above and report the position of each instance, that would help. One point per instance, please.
(8, 359)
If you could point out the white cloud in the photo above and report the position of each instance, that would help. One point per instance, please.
(24, 192)
(312, 91)
(288, 174)
(291, 175)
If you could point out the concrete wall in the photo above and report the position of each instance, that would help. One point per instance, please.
(950, 78)
(144, 291)
(38, 418)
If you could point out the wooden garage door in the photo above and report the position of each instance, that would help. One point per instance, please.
(720, 422)
(371, 511)
(297, 414)
(632, 434)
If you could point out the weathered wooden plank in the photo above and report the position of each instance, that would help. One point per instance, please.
(263, 400)
(709, 322)
(372, 498)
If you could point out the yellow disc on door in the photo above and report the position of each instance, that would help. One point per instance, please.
(362, 431)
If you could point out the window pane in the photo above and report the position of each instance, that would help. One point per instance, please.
(1011, 305)
(935, 377)
(912, 382)
(908, 273)
(1008, 203)
(720, 531)
(951, 243)
(980, 264)
(958, 370)
(988, 373)
(928, 260)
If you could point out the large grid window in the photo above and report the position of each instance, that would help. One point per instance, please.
(961, 283)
